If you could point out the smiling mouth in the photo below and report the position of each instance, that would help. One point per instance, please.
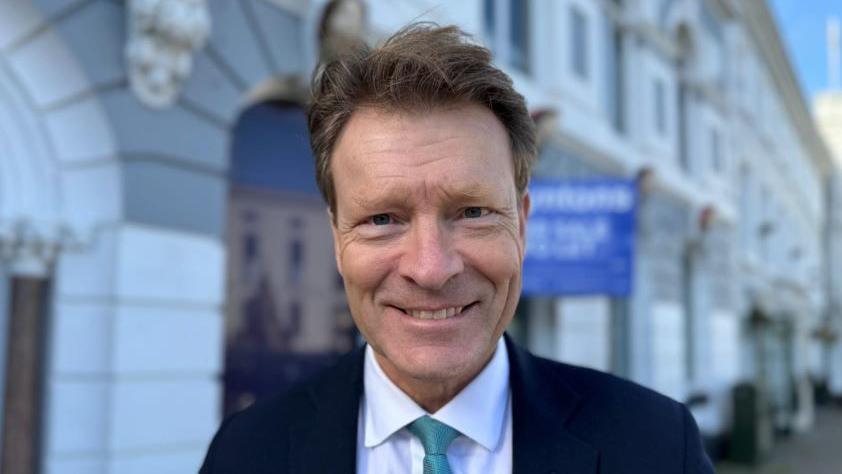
(444, 313)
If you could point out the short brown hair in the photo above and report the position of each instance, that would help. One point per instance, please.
(422, 66)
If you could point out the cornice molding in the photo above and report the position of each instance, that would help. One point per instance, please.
(764, 31)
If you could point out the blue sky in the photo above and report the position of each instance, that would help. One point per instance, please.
(802, 24)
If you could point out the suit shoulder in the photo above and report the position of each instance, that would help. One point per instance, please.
(267, 416)
(607, 392)
(297, 402)
(261, 433)
(246, 438)
(630, 424)
(633, 425)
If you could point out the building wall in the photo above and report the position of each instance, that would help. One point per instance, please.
(134, 200)
(784, 165)
(828, 359)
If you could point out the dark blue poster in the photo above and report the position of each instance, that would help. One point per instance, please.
(580, 238)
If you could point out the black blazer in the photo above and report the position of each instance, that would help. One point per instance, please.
(566, 419)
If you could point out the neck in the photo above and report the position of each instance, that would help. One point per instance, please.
(431, 395)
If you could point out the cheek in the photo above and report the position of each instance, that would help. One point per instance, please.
(498, 260)
(364, 269)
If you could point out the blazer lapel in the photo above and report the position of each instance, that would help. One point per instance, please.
(541, 406)
(324, 440)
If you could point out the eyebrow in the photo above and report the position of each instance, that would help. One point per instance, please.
(395, 195)
(384, 197)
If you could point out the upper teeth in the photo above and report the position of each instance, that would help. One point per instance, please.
(438, 314)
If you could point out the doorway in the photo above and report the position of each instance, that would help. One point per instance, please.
(286, 315)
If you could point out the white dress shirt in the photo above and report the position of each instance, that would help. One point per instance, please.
(481, 412)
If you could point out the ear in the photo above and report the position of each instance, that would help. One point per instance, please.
(523, 214)
(336, 246)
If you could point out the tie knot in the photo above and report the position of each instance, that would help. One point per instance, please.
(434, 435)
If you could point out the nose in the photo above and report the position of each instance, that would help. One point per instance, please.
(430, 259)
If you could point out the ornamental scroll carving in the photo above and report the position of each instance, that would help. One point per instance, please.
(163, 36)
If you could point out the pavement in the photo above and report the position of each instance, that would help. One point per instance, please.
(818, 451)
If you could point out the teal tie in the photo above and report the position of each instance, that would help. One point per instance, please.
(435, 436)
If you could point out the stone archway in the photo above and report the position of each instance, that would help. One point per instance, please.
(55, 166)
(136, 222)
(56, 143)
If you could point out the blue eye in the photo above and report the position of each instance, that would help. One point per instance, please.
(473, 212)
(381, 219)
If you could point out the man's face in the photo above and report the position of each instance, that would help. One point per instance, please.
(429, 236)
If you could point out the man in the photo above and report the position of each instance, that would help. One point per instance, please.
(423, 151)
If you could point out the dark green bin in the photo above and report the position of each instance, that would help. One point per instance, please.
(751, 434)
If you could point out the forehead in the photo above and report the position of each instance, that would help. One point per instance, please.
(463, 148)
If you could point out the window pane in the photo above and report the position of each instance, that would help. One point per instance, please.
(579, 42)
(489, 17)
(615, 76)
(519, 33)
(716, 150)
(660, 107)
(663, 12)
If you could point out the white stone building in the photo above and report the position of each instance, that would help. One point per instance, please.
(119, 192)
(828, 111)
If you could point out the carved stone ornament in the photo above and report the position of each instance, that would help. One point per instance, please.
(35, 246)
(163, 35)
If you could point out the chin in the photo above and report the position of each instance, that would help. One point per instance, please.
(438, 364)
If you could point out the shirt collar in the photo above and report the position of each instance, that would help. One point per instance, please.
(478, 411)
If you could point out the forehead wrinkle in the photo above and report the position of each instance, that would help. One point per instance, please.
(388, 194)
(470, 190)
(473, 192)
(410, 155)
(396, 142)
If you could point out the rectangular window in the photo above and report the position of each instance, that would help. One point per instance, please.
(664, 9)
(746, 217)
(764, 230)
(660, 104)
(615, 76)
(682, 127)
(578, 43)
(711, 23)
(489, 17)
(519, 34)
(716, 151)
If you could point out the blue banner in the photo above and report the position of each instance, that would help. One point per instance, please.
(580, 238)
